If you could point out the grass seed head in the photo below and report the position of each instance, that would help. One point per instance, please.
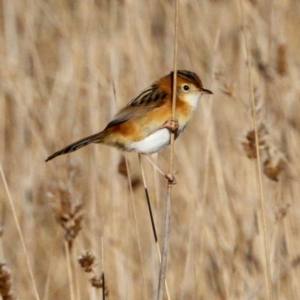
(5, 283)
(280, 211)
(274, 163)
(68, 213)
(87, 261)
(99, 283)
(249, 142)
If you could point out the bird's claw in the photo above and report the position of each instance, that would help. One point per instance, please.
(171, 178)
(171, 125)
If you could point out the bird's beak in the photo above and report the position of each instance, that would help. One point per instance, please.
(204, 91)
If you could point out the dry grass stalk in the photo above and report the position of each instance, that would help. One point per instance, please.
(165, 244)
(268, 275)
(19, 232)
(6, 283)
(281, 63)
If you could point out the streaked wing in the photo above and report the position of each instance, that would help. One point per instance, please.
(146, 101)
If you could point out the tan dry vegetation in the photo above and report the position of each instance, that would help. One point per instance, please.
(60, 62)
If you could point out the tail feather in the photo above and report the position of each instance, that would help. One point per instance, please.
(96, 138)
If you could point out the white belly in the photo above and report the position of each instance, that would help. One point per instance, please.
(152, 143)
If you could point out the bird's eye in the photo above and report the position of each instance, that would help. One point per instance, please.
(186, 87)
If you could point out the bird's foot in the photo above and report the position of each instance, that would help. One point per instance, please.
(171, 178)
(171, 125)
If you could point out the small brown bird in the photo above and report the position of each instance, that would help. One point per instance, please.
(144, 125)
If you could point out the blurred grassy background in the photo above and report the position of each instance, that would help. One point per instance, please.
(66, 67)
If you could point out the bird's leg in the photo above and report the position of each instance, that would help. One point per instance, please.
(171, 125)
(171, 178)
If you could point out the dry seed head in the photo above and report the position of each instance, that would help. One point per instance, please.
(280, 211)
(219, 75)
(5, 283)
(228, 89)
(274, 163)
(249, 143)
(97, 282)
(87, 261)
(273, 160)
(68, 213)
(263, 67)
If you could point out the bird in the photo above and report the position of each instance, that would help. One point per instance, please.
(145, 124)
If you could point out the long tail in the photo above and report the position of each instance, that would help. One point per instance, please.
(95, 138)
